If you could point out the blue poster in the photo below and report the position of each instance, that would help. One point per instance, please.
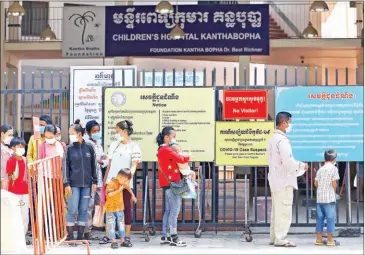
(324, 117)
(239, 29)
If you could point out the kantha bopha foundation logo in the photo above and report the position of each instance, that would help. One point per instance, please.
(119, 99)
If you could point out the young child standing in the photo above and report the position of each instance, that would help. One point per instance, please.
(114, 207)
(326, 183)
(18, 179)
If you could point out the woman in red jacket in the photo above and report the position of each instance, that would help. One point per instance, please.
(169, 172)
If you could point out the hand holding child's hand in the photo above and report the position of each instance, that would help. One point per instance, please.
(134, 199)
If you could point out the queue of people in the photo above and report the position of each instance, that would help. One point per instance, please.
(93, 178)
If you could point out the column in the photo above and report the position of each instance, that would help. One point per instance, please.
(14, 25)
(14, 107)
(244, 70)
(2, 62)
(122, 61)
(360, 65)
(311, 75)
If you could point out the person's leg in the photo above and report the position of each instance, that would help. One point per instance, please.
(84, 199)
(89, 221)
(127, 197)
(319, 223)
(330, 215)
(72, 207)
(110, 228)
(24, 206)
(272, 221)
(165, 235)
(283, 216)
(175, 204)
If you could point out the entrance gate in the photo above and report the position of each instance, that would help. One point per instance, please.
(222, 188)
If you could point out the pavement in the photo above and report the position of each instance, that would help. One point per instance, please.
(221, 243)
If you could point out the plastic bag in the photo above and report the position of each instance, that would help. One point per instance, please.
(191, 193)
(98, 220)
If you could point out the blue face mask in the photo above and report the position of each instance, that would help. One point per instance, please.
(41, 129)
(96, 136)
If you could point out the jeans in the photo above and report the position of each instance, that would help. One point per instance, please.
(172, 210)
(78, 203)
(326, 211)
(111, 217)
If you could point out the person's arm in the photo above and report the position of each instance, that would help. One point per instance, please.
(316, 183)
(288, 160)
(10, 168)
(335, 177)
(136, 158)
(30, 151)
(111, 191)
(66, 169)
(93, 165)
(180, 159)
(134, 199)
(110, 156)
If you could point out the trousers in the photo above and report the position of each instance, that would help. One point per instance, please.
(78, 204)
(281, 215)
(24, 208)
(172, 210)
(326, 211)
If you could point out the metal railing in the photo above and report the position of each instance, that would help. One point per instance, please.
(340, 21)
(222, 188)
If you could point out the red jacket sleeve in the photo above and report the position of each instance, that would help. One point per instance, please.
(10, 166)
(177, 157)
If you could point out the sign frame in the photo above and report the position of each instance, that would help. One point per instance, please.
(162, 87)
(114, 69)
(266, 92)
(241, 122)
(323, 88)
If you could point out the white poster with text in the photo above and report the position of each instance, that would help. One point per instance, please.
(86, 88)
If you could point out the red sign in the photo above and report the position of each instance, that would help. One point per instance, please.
(245, 104)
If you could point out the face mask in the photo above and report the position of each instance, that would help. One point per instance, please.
(58, 138)
(41, 129)
(120, 137)
(8, 139)
(288, 129)
(173, 141)
(96, 136)
(50, 141)
(19, 151)
(73, 138)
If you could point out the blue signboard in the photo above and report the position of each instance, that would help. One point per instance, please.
(240, 29)
(324, 117)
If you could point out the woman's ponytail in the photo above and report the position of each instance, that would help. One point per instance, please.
(159, 139)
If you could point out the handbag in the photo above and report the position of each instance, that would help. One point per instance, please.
(99, 213)
(191, 194)
(177, 188)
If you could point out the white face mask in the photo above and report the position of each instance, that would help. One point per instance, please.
(120, 137)
(50, 141)
(58, 138)
(289, 128)
(19, 151)
(8, 139)
(73, 138)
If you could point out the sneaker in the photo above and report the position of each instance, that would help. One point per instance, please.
(165, 240)
(176, 242)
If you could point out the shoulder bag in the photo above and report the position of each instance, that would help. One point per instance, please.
(177, 188)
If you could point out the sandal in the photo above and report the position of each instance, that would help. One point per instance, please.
(126, 244)
(104, 240)
(287, 245)
(334, 243)
(114, 245)
(178, 243)
(319, 243)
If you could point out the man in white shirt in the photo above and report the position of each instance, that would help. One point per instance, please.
(283, 173)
